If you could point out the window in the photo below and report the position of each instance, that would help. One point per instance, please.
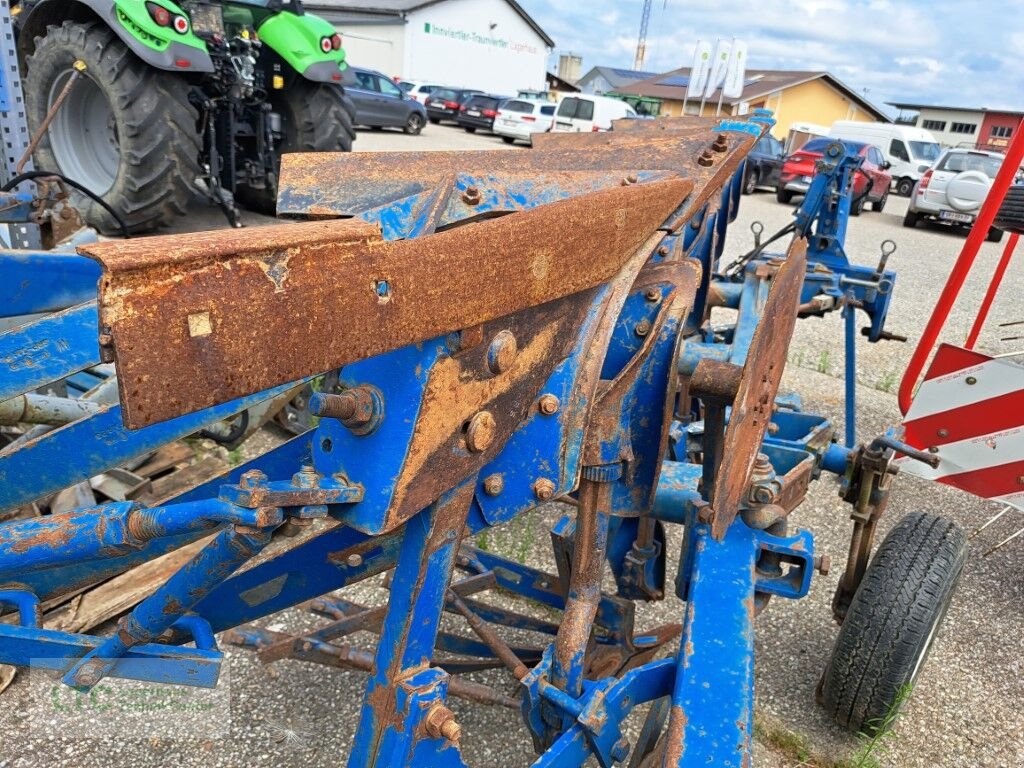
(580, 109)
(548, 110)
(968, 128)
(934, 125)
(366, 81)
(875, 155)
(443, 94)
(958, 162)
(899, 150)
(1001, 132)
(518, 106)
(388, 88)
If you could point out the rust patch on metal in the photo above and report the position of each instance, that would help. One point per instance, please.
(759, 384)
(290, 301)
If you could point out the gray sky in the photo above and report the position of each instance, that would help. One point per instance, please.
(955, 53)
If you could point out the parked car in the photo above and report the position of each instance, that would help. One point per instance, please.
(870, 183)
(585, 113)
(764, 164)
(910, 151)
(952, 191)
(479, 111)
(418, 91)
(521, 118)
(444, 103)
(382, 104)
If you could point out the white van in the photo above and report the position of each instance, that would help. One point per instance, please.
(586, 113)
(910, 151)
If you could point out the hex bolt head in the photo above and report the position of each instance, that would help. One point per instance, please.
(548, 405)
(663, 250)
(652, 294)
(480, 432)
(251, 479)
(471, 196)
(494, 484)
(643, 328)
(705, 158)
(501, 355)
(439, 723)
(544, 489)
(354, 560)
(720, 144)
(823, 564)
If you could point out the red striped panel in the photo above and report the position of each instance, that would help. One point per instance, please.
(990, 482)
(950, 359)
(982, 418)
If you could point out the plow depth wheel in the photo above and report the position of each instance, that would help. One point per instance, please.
(892, 622)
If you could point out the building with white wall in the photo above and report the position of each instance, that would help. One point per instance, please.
(493, 45)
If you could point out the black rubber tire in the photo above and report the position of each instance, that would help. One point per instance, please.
(910, 219)
(316, 118)
(892, 621)
(784, 196)
(857, 205)
(994, 235)
(879, 205)
(904, 187)
(435, 120)
(508, 139)
(1011, 214)
(157, 137)
(469, 129)
(750, 180)
(414, 124)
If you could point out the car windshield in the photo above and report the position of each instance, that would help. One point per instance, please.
(958, 162)
(819, 145)
(928, 151)
(482, 102)
(518, 106)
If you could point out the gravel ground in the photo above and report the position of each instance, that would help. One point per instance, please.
(965, 711)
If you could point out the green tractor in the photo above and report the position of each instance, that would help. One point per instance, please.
(179, 97)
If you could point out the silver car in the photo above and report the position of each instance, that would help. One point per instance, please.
(951, 191)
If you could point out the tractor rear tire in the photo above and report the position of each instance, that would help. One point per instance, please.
(892, 621)
(126, 132)
(1010, 217)
(316, 118)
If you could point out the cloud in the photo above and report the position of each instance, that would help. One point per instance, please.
(943, 51)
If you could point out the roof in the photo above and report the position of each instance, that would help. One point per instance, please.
(402, 7)
(759, 82)
(617, 77)
(943, 107)
(555, 83)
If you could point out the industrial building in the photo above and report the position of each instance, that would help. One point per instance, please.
(493, 45)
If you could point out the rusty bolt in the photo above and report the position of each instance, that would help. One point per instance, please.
(631, 179)
(251, 479)
(106, 339)
(502, 352)
(663, 250)
(720, 144)
(306, 477)
(494, 484)
(652, 294)
(705, 513)
(548, 405)
(823, 564)
(354, 560)
(357, 408)
(480, 432)
(440, 723)
(705, 158)
(762, 494)
(471, 196)
(543, 489)
(643, 328)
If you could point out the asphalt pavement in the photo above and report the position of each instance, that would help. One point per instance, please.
(966, 710)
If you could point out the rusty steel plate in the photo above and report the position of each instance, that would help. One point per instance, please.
(327, 184)
(759, 384)
(199, 319)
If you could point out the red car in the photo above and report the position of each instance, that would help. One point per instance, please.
(873, 176)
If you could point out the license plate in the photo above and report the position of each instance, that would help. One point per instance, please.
(964, 218)
(472, 113)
